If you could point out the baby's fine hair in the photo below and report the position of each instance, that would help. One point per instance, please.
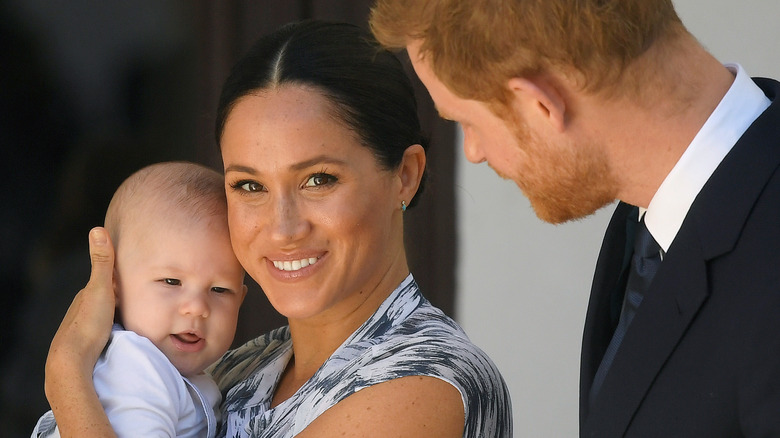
(171, 188)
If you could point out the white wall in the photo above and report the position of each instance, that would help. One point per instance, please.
(523, 285)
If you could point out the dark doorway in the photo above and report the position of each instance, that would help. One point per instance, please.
(93, 91)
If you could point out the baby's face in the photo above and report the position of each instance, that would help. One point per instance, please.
(179, 284)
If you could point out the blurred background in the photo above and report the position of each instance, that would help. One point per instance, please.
(93, 90)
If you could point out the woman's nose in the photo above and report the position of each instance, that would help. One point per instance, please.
(288, 221)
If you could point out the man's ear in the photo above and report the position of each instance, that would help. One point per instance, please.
(410, 172)
(541, 98)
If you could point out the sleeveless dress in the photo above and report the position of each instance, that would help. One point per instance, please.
(406, 336)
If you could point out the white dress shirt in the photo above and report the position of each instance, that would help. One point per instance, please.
(741, 105)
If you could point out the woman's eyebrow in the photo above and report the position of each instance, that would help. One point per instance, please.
(240, 168)
(319, 159)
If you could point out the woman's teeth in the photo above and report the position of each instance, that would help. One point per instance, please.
(294, 265)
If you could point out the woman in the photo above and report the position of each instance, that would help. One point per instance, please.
(323, 154)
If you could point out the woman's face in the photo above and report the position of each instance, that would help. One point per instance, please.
(313, 218)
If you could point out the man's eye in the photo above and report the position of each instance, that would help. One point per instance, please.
(172, 281)
(320, 179)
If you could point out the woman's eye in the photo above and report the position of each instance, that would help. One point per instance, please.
(320, 179)
(219, 290)
(248, 186)
(172, 281)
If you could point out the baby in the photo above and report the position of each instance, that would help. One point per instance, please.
(178, 291)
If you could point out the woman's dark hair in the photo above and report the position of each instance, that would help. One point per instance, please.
(366, 84)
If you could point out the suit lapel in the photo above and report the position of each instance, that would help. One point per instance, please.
(659, 325)
(680, 287)
(605, 298)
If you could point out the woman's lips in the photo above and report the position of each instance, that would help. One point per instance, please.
(294, 265)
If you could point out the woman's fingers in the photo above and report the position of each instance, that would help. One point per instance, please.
(92, 312)
(99, 298)
(101, 254)
(97, 309)
(86, 326)
(76, 346)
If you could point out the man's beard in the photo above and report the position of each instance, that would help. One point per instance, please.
(562, 182)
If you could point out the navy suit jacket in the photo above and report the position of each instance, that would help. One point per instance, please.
(702, 355)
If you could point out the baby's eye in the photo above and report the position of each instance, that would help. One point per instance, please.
(172, 281)
(320, 179)
(220, 290)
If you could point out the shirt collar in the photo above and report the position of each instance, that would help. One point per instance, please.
(741, 105)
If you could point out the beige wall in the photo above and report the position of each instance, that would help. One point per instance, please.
(523, 285)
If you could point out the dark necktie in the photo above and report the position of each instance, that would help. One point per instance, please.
(644, 264)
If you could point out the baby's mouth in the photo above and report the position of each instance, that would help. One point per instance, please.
(188, 342)
(187, 338)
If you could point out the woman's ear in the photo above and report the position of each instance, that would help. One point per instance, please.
(538, 97)
(410, 172)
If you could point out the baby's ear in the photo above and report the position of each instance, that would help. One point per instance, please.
(243, 292)
(115, 285)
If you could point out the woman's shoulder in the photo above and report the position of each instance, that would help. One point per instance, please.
(429, 342)
(426, 343)
(410, 336)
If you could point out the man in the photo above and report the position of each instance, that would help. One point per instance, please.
(581, 103)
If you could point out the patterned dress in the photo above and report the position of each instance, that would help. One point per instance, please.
(406, 336)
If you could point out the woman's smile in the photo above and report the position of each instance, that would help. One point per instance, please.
(294, 265)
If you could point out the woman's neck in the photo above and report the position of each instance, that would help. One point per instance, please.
(315, 339)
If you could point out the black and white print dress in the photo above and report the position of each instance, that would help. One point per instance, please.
(406, 336)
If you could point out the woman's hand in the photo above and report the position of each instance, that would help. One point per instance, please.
(76, 346)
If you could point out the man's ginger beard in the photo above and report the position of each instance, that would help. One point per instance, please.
(563, 182)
